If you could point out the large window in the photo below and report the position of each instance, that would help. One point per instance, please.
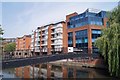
(87, 18)
(70, 39)
(95, 35)
(95, 21)
(81, 39)
(96, 31)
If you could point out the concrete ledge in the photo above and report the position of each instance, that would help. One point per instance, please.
(97, 63)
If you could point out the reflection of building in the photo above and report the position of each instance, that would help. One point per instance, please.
(49, 38)
(84, 28)
(55, 71)
(23, 46)
(23, 72)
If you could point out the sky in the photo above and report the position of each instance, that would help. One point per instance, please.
(20, 18)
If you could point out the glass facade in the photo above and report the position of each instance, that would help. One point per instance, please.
(95, 35)
(81, 39)
(87, 18)
(70, 39)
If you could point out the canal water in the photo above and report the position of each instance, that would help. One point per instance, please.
(53, 71)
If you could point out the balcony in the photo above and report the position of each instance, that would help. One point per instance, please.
(43, 39)
(45, 44)
(37, 39)
(45, 28)
(57, 26)
(37, 44)
(44, 50)
(37, 50)
(43, 34)
(56, 49)
(58, 37)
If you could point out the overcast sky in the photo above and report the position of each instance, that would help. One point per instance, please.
(20, 18)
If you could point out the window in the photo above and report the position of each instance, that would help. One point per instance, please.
(87, 18)
(107, 24)
(86, 40)
(25, 53)
(70, 39)
(95, 34)
(81, 39)
(93, 40)
(96, 31)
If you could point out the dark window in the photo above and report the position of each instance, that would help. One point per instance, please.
(95, 35)
(25, 53)
(81, 39)
(19, 53)
(70, 39)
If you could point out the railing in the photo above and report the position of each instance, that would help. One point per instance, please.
(9, 57)
(53, 51)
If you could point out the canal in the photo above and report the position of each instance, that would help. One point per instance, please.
(49, 70)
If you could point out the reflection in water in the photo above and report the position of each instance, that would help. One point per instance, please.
(53, 71)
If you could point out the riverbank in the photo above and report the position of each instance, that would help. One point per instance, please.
(97, 63)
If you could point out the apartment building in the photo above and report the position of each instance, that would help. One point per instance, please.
(35, 42)
(84, 28)
(49, 39)
(9, 40)
(23, 46)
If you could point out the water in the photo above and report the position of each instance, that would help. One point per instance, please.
(53, 71)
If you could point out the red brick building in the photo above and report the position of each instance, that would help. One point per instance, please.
(84, 28)
(23, 46)
(49, 39)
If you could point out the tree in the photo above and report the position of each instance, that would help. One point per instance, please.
(1, 30)
(109, 42)
(10, 47)
(1, 46)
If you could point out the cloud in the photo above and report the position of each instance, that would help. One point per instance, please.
(43, 13)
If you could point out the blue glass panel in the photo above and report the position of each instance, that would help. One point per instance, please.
(69, 41)
(96, 32)
(86, 40)
(99, 32)
(87, 18)
(93, 40)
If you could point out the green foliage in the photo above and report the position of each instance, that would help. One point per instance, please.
(10, 47)
(1, 31)
(109, 42)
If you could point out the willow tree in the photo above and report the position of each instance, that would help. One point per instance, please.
(109, 42)
(1, 32)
